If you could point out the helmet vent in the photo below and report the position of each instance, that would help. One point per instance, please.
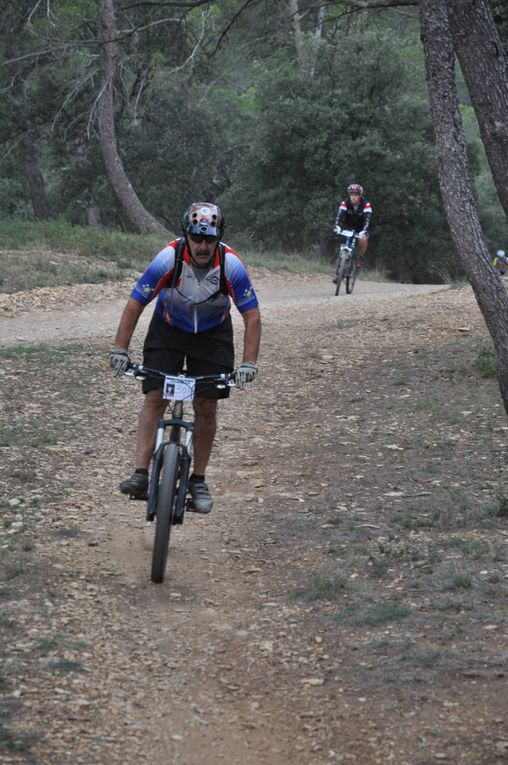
(204, 218)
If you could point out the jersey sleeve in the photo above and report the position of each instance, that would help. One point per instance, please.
(239, 283)
(367, 214)
(341, 214)
(147, 285)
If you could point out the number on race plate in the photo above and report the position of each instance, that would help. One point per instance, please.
(178, 388)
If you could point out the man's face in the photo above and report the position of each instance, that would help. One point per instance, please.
(202, 248)
(355, 199)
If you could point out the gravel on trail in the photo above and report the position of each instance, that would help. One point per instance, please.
(327, 611)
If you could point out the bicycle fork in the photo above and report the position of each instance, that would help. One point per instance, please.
(153, 487)
(184, 473)
(183, 476)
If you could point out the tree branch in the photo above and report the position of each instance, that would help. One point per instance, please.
(167, 3)
(233, 20)
(365, 5)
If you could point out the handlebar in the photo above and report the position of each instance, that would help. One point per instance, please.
(140, 372)
(348, 234)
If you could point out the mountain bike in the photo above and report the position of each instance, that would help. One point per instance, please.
(170, 469)
(346, 268)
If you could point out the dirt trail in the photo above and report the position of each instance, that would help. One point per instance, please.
(233, 659)
(88, 311)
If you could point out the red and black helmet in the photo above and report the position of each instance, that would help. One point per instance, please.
(355, 188)
(203, 218)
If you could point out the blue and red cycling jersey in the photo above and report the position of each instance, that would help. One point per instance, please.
(195, 304)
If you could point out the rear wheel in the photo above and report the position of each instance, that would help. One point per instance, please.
(165, 511)
(351, 277)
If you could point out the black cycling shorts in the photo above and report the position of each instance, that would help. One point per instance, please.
(172, 350)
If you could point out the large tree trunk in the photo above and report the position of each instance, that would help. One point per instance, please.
(34, 177)
(455, 184)
(137, 215)
(484, 65)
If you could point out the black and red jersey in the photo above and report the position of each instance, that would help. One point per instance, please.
(356, 218)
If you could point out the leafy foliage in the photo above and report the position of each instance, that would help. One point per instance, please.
(215, 103)
(367, 122)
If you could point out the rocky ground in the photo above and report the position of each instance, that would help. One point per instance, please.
(346, 600)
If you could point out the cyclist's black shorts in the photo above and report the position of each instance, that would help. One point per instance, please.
(205, 353)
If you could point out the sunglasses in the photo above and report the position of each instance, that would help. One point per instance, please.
(198, 238)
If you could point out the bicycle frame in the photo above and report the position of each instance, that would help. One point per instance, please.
(171, 459)
(177, 423)
(346, 260)
(348, 247)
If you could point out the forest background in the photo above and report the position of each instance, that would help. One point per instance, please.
(235, 102)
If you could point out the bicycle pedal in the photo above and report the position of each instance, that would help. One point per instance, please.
(143, 498)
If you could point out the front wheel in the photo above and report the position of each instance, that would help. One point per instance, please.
(339, 273)
(164, 514)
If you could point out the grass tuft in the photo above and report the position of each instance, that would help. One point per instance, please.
(64, 666)
(486, 364)
(376, 274)
(454, 577)
(500, 508)
(322, 588)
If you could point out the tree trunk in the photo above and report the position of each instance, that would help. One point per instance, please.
(136, 213)
(34, 177)
(294, 20)
(93, 214)
(455, 183)
(318, 36)
(484, 65)
(320, 20)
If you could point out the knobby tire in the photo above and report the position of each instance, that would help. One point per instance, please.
(351, 278)
(339, 274)
(165, 511)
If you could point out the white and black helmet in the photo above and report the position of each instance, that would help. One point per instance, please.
(203, 219)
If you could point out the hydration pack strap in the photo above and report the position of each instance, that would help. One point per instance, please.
(177, 270)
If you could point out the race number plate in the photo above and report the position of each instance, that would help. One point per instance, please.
(178, 388)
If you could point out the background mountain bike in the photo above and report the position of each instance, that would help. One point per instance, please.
(169, 476)
(346, 268)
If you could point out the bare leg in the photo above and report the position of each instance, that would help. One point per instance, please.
(362, 247)
(204, 434)
(153, 409)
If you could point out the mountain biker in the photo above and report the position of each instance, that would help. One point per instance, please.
(500, 262)
(354, 214)
(191, 321)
